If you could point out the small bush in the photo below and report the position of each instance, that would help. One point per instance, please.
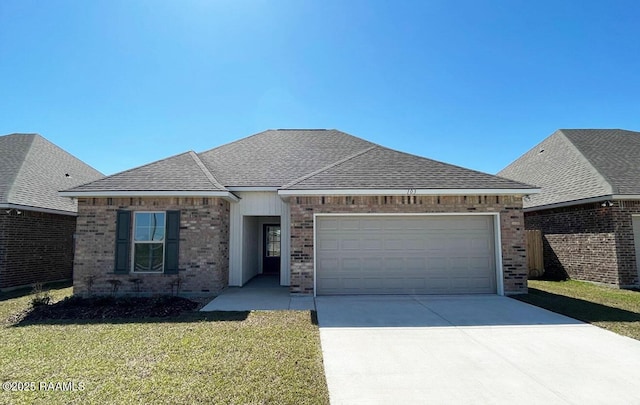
(109, 307)
(41, 297)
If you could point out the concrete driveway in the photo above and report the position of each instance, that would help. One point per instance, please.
(469, 350)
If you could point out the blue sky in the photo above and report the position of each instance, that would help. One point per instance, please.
(473, 83)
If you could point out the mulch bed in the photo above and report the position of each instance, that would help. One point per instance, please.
(107, 308)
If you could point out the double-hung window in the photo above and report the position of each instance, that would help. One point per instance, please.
(148, 242)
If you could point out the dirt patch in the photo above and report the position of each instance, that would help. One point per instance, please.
(107, 308)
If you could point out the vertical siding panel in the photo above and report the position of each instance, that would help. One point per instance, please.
(257, 203)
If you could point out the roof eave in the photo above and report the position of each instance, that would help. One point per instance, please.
(410, 191)
(21, 207)
(590, 200)
(227, 195)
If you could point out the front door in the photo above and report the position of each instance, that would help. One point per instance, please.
(271, 249)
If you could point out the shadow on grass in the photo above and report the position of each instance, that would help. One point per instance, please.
(585, 311)
(24, 291)
(195, 316)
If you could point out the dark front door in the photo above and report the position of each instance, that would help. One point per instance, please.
(271, 249)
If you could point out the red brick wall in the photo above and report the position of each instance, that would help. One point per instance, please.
(35, 247)
(589, 242)
(511, 225)
(203, 252)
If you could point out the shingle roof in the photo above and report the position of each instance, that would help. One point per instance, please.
(299, 160)
(614, 153)
(33, 170)
(276, 157)
(574, 164)
(183, 172)
(382, 168)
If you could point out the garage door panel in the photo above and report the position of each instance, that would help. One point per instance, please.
(415, 283)
(393, 264)
(370, 224)
(394, 224)
(393, 244)
(328, 243)
(328, 283)
(434, 263)
(350, 244)
(348, 224)
(436, 244)
(354, 283)
(329, 264)
(416, 264)
(411, 244)
(395, 255)
(371, 244)
(327, 224)
(351, 264)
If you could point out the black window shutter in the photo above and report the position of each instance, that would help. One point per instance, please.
(171, 242)
(123, 242)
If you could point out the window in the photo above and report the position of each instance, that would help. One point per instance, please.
(148, 242)
(272, 240)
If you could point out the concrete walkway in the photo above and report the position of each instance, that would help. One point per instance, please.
(470, 350)
(260, 293)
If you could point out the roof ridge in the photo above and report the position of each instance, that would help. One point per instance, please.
(303, 129)
(589, 163)
(336, 163)
(128, 170)
(206, 171)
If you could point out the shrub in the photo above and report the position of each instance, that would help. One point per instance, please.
(41, 296)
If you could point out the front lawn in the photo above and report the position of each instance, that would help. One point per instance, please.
(608, 308)
(235, 358)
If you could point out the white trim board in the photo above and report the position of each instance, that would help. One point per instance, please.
(257, 204)
(496, 233)
(243, 188)
(409, 192)
(590, 200)
(37, 209)
(87, 194)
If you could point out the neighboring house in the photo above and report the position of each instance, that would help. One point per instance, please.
(589, 206)
(326, 211)
(36, 224)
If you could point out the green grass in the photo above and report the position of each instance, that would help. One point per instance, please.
(222, 358)
(609, 308)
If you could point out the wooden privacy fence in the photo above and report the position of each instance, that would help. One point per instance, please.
(535, 261)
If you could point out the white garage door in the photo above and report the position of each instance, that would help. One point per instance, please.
(442, 254)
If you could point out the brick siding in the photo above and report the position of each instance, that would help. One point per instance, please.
(589, 242)
(203, 252)
(509, 208)
(35, 247)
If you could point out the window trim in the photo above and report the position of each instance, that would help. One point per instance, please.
(134, 242)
